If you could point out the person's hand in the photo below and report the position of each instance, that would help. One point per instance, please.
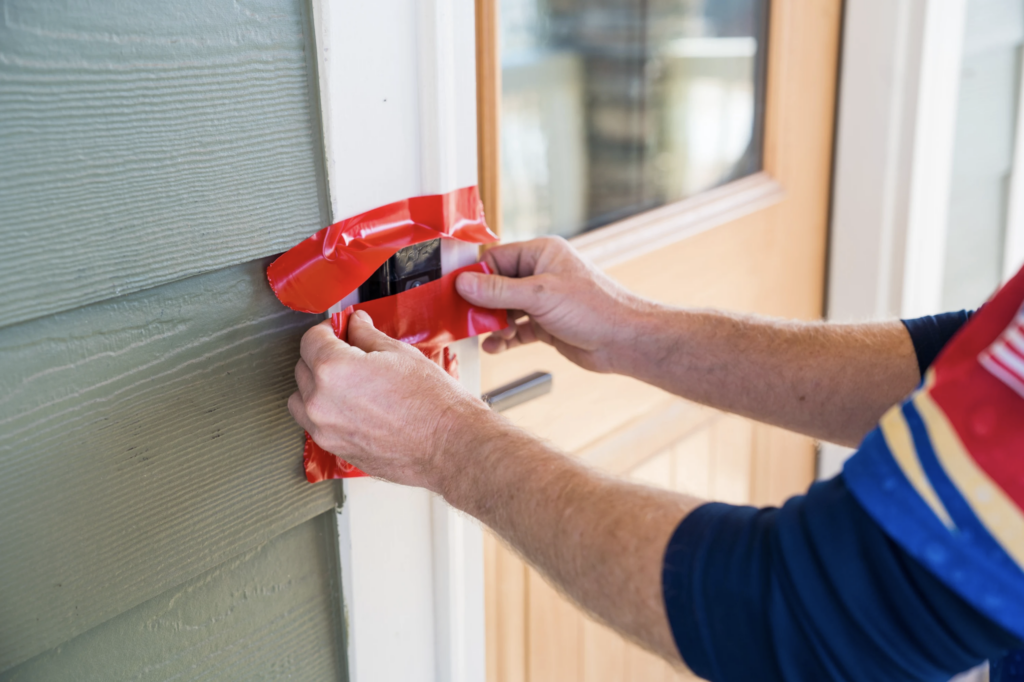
(381, 405)
(568, 302)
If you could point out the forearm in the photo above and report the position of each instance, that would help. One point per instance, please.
(599, 539)
(829, 381)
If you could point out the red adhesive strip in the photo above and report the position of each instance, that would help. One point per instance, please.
(320, 271)
(429, 317)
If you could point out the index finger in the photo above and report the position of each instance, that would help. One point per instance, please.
(320, 343)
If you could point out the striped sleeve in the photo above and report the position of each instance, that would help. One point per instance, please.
(943, 474)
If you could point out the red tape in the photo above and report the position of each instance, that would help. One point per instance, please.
(429, 317)
(320, 271)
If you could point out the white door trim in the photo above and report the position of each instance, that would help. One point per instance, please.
(398, 100)
(1013, 254)
(932, 165)
(894, 151)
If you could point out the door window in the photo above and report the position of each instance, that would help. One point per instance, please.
(613, 108)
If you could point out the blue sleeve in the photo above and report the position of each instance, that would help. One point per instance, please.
(813, 591)
(932, 332)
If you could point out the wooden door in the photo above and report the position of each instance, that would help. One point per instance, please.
(755, 244)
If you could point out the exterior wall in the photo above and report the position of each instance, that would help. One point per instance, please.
(259, 615)
(147, 143)
(155, 516)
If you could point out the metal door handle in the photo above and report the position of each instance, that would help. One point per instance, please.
(519, 391)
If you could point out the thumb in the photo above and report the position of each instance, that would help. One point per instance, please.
(495, 291)
(363, 335)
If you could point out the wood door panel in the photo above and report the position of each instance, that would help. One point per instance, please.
(749, 266)
(505, 607)
(582, 407)
(693, 465)
(144, 146)
(784, 465)
(604, 655)
(135, 428)
(553, 634)
(732, 441)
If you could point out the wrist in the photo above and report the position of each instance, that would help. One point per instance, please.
(471, 432)
(643, 339)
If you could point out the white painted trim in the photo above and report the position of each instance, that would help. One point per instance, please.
(398, 100)
(831, 458)
(894, 151)
(385, 540)
(437, 70)
(932, 169)
(449, 161)
(894, 147)
(1013, 253)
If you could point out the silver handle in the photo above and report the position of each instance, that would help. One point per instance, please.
(519, 391)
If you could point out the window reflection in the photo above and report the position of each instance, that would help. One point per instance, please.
(613, 107)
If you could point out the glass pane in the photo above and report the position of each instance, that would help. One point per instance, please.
(986, 128)
(613, 107)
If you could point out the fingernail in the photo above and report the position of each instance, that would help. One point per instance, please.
(363, 315)
(466, 283)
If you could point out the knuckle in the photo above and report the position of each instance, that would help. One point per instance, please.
(316, 409)
(556, 242)
(327, 373)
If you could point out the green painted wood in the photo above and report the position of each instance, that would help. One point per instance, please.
(145, 439)
(270, 613)
(143, 141)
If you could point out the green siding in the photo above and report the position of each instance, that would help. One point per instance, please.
(145, 142)
(145, 439)
(270, 613)
(154, 519)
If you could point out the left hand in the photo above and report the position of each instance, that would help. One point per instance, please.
(380, 404)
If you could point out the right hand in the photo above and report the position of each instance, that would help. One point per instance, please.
(567, 302)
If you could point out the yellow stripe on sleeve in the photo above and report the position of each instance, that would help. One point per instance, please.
(901, 444)
(993, 507)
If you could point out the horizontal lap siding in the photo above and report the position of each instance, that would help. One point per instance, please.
(258, 616)
(145, 439)
(145, 142)
(152, 156)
